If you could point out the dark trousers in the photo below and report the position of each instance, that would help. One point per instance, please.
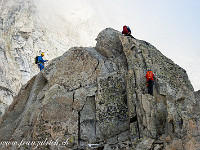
(129, 35)
(150, 87)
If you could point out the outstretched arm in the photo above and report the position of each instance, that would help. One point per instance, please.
(40, 59)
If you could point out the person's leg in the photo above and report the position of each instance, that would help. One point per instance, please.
(41, 66)
(150, 87)
(131, 36)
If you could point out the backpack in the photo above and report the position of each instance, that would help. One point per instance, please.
(36, 59)
(149, 75)
(125, 30)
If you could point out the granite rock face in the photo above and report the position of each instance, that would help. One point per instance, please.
(27, 28)
(197, 95)
(22, 38)
(96, 98)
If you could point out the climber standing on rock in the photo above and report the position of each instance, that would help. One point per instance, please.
(40, 62)
(127, 31)
(150, 81)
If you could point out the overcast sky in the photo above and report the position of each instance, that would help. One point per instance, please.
(172, 26)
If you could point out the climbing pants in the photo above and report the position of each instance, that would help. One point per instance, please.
(150, 87)
(41, 66)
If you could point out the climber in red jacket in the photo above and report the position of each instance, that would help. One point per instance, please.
(150, 81)
(127, 31)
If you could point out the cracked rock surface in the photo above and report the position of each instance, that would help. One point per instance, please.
(99, 96)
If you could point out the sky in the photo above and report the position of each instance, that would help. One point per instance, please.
(172, 26)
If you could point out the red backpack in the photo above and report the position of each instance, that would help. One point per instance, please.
(125, 30)
(149, 75)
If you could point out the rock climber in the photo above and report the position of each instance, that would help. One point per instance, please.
(150, 81)
(127, 31)
(40, 61)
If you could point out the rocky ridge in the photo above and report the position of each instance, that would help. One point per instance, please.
(98, 96)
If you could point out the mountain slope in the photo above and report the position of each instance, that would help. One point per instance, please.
(98, 96)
